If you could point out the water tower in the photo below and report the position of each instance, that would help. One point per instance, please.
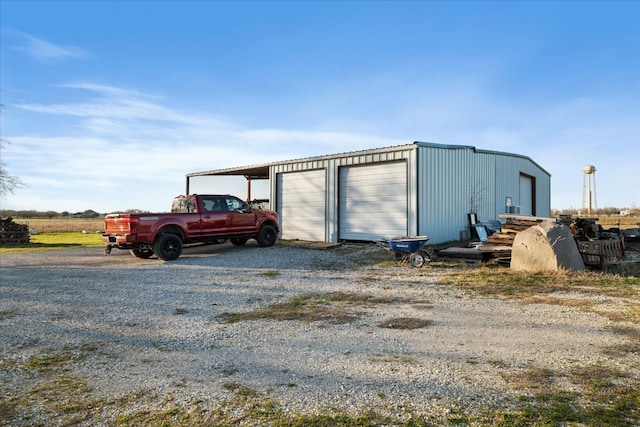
(589, 189)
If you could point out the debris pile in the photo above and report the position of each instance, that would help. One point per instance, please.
(499, 244)
(514, 225)
(12, 233)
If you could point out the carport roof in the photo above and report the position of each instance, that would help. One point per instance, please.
(253, 172)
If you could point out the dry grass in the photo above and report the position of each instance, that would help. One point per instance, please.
(614, 296)
(334, 308)
(617, 221)
(62, 225)
(590, 395)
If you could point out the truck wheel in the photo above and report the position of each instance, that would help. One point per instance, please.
(167, 247)
(266, 236)
(141, 253)
(238, 241)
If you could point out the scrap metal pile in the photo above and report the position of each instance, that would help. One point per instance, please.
(598, 248)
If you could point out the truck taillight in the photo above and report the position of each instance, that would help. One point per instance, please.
(133, 225)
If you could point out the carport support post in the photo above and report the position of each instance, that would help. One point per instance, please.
(248, 188)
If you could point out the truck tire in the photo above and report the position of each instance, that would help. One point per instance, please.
(238, 241)
(141, 253)
(167, 247)
(266, 236)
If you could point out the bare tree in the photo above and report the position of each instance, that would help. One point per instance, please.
(8, 183)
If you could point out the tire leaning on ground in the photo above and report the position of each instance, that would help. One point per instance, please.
(141, 253)
(167, 247)
(266, 236)
(238, 241)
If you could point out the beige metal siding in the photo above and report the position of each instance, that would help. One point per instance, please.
(445, 184)
(508, 170)
(455, 181)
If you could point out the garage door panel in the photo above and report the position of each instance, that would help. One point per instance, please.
(378, 198)
(301, 204)
(373, 201)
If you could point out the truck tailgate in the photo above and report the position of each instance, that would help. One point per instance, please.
(117, 224)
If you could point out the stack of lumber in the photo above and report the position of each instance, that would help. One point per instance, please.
(498, 245)
(503, 240)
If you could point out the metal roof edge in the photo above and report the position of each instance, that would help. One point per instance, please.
(305, 159)
(479, 150)
(445, 146)
(521, 156)
(414, 145)
(228, 171)
(347, 154)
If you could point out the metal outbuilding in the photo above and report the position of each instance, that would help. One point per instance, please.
(407, 190)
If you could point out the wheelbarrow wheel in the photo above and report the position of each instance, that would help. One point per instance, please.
(416, 260)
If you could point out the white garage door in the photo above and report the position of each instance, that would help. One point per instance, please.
(301, 204)
(373, 201)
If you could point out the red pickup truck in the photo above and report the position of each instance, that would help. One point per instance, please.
(193, 218)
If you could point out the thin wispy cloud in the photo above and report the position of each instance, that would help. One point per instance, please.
(46, 52)
(127, 115)
(114, 103)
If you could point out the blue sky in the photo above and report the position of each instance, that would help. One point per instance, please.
(109, 104)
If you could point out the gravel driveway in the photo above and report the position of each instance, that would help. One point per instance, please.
(145, 335)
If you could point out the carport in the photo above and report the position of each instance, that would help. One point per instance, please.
(251, 173)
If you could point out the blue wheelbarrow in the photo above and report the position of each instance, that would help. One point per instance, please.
(409, 249)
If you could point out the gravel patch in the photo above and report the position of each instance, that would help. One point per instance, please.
(133, 326)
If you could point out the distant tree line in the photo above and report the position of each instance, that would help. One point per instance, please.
(601, 211)
(89, 213)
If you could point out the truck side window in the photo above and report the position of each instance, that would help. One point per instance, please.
(237, 205)
(218, 205)
(212, 205)
(183, 204)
